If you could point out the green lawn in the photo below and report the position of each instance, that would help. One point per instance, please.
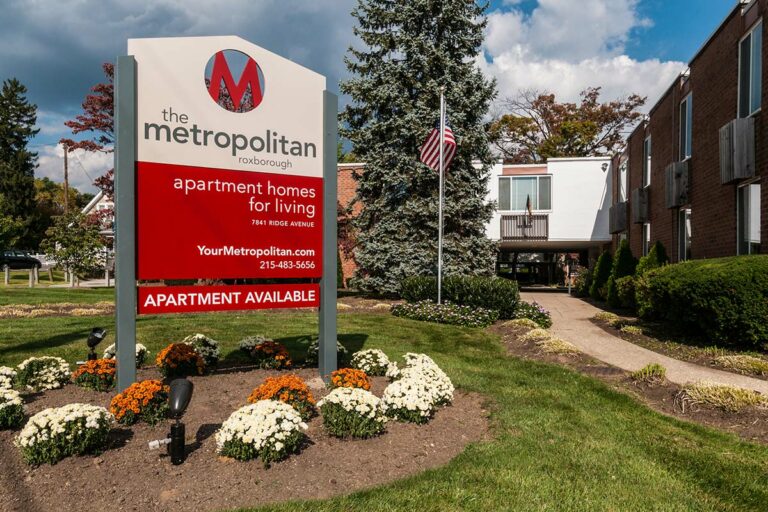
(562, 441)
(21, 278)
(23, 295)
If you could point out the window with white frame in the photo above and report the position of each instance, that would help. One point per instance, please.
(516, 191)
(686, 126)
(646, 238)
(748, 215)
(647, 161)
(684, 234)
(751, 71)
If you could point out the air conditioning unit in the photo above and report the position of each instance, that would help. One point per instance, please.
(640, 199)
(677, 186)
(737, 150)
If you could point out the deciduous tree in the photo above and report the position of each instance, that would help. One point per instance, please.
(74, 243)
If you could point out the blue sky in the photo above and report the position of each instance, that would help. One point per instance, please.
(56, 47)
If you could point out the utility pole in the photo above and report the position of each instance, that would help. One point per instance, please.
(66, 179)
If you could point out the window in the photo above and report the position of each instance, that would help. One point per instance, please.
(623, 175)
(684, 234)
(514, 193)
(748, 215)
(751, 71)
(646, 238)
(686, 126)
(647, 161)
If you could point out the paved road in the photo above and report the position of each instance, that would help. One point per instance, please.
(570, 321)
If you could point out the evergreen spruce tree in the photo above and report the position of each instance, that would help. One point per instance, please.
(624, 264)
(17, 163)
(411, 48)
(601, 275)
(656, 257)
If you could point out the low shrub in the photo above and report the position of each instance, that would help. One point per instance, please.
(289, 389)
(372, 361)
(7, 377)
(207, 348)
(146, 401)
(727, 398)
(625, 289)
(350, 378)
(272, 355)
(490, 293)
(607, 317)
(246, 344)
(268, 429)
(56, 433)
(179, 360)
(656, 257)
(11, 409)
(554, 345)
(314, 349)
(651, 373)
(600, 276)
(582, 281)
(745, 364)
(724, 299)
(96, 374)
(409, 400)
(631, 329)
(43, 373)
(141, 354)
(624, 265)
(534, 311)
(452, 314)
(352, 412)
(521, 323)
(535, 335)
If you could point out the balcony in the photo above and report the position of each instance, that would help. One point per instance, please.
(617, 218)
(524, 227)
(737, 150)
(677, 184)
(640, 198)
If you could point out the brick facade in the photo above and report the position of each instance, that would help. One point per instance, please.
(713, 82)
(347, 190)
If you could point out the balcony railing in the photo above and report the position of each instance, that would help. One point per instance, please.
(524, 227)
(617, 218)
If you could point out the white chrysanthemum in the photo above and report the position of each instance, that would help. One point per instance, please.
(409, 400)
(356, 400)
(264, 424)
(423, 368)
(52, 422)
(43, 373)
(247, 343)
(141, 353)
(9, 397)
(314, 349)
(7, 377)
(207, 348)
(371, 361)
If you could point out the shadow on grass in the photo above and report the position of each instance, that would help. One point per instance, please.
(46, 343)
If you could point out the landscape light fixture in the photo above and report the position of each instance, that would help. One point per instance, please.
(178, 401)
(97, 336)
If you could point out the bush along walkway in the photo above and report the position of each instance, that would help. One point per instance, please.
(571, 322)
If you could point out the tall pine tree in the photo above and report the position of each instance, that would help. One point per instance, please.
(17, 163)
(412, 49)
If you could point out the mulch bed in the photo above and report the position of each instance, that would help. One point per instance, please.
(128, 476)
(749, 424)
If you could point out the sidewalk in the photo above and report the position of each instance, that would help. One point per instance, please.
(571, 321)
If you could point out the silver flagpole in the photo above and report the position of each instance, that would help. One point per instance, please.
(440, 207)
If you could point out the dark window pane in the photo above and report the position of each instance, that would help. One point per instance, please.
(504, 193)
(744, 78)
(545, 193)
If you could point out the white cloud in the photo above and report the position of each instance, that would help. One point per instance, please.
(565, 46)
(84, 166)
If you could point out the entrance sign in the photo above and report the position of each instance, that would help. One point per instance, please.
(225, 168)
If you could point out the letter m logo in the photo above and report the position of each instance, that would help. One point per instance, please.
(241, 96)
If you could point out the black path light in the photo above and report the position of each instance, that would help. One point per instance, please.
(178, 401)
(97, 336)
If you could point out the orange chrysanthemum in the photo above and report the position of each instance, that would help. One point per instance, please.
(290, 389)
(98, 374)
(146, 400)
(271, 354)
(178, 360)
(350, 378)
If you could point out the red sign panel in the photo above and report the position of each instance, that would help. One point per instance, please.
(190, 299)
(195, 222)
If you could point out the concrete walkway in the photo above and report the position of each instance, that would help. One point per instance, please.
(571, 322)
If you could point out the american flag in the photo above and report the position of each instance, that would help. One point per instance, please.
(430, 150)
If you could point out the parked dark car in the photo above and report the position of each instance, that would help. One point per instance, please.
(18, 260)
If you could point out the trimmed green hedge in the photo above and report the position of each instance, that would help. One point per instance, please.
(724, 299)
(600, 276)
(493, 293)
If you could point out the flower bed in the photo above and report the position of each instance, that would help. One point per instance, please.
(350, 378)
(422, 367)
(289, 389)
(42, 373)
(247, 343)
(409, 400)
(207, 348)
(11, 409)
(314, 349)
(7, 377)
(146, 400)
(56, 433)
(97, 374)
(372, 361)
(141, 353)
(352, 412)
(271, 355)
(268, 429)
(180, 360)
(452, 314)
(534, 311)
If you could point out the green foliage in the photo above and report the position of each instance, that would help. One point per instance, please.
(651, 373)
(625, 289)
(446, 313)
(600, 276)
(623, 265)
(534, 311)
(583, 282)
(724, 299)
(11, 229)
(406, 52)
(340, 422)
(74, 244)
(493, 293)
(656, 257)
(339, 271)
(314, 349)
(728, 398)
(749, 365)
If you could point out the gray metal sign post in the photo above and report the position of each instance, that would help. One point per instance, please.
(125, 220)
(327, 350)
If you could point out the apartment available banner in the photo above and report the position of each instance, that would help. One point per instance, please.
(229, 169)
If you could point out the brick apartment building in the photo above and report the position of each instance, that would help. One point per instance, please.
(691, 174)
(347, 189)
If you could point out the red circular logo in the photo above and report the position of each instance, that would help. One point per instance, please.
(241, 94)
